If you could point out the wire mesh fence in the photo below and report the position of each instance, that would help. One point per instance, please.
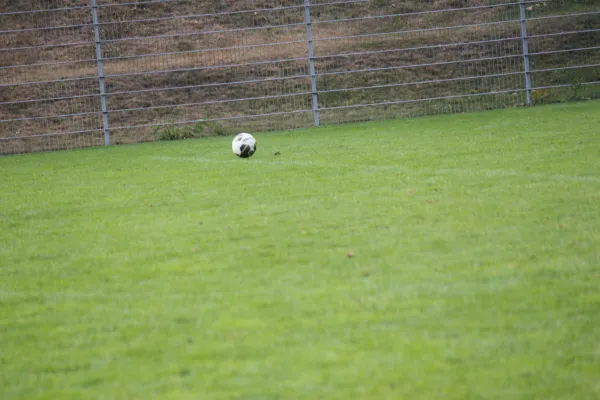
(96, 72)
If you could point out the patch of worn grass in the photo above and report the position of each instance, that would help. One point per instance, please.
(174, 270)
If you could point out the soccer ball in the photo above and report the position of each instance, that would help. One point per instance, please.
(243, 145)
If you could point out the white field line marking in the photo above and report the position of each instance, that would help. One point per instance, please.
(254, 161)
(397, 168)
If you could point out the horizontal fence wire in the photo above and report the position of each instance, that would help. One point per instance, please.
(568, 85)
(390, 85)
(415, 13)
(50, 99)
(47, 64)
(163, 124)
(42, 135)
(51, 116)
(208, 67)
(567, 67)
(373, 17)
(396, 102)
(208, 85)
(58, 9)
(65, 80)
(159, 66)
(387, 103)
(211, 102)
(45, 46)
(404, 49)
(564, 50)
(230, 118)
(563, 33)
(212, 32)
(396, 67)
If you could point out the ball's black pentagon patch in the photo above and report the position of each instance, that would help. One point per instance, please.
(244, 151)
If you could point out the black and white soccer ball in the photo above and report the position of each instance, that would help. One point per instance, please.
(243, 145)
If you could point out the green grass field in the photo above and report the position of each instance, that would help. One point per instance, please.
(452, 257)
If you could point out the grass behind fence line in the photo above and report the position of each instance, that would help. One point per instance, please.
(451, 256)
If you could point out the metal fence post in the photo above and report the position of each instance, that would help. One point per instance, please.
(100, 73)
(311, 60)
(524, 40)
